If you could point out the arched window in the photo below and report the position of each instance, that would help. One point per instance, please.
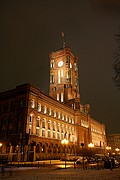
(45, 110)
(58, 115)
(32, 103)
(38, 121)
(50, 112)
(54, 113)
(54, 124)
(49, 124)
(39, 107)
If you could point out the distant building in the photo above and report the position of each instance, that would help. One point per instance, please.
(33, 124)
(113, 141)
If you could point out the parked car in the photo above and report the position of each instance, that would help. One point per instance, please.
(81, 159)
(116, 163)
(111, 163)
(91, 160)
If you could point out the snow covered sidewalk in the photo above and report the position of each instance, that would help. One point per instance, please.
(61, 174)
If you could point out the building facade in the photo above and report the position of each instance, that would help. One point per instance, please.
(32, 124)
(113, 142)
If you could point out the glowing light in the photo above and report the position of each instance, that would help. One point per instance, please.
(64, 141)
(91, 145)
(108, 148)
(117, 149)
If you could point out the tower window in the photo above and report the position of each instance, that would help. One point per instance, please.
(51, 78)
(61, 96)
(52, 64)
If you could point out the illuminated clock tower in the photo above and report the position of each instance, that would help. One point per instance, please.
(64, 84)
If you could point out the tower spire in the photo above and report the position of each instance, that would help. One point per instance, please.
(63, 39)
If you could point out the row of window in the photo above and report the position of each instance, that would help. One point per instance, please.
(51, 112)
(50, 129)
(52, 64)
(7, 107)
(6, 120)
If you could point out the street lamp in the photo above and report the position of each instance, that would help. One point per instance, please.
(91, 145)
(109, 152)
(64, 142)
(117, 150)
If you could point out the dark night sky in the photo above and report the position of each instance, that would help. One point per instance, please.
(30, 30)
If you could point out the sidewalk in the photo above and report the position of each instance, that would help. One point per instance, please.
(61, 174)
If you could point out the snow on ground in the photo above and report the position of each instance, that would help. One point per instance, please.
(61, 174)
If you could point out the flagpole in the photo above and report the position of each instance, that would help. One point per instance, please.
(63, 39)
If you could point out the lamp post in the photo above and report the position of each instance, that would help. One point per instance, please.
(109, 151)
(64, 142)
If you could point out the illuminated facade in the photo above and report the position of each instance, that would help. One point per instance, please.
(113, 141)
(33, 124)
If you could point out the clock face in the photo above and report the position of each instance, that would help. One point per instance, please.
(60, 63)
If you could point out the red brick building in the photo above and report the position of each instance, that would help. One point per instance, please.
(33, 124)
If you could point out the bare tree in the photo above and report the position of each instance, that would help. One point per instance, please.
(116, 64)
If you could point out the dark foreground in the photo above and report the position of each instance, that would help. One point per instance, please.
(60, 173)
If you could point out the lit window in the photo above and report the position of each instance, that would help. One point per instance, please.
(32, 103)
(69, 120)
(54, 113)
(51, 78)
(45, 110)
(43, 132)
(52, 64)
(39, 107)
(62, 128)
(49, 124)
(58, 115)
(50, 111)
(61, 96)
(72, 121)
(54, 126)
(43, 123)
(38, 121)
(62, 116)
(58, 127)
(58, 96)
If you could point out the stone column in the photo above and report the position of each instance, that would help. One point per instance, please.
(34, 149)
(10, 153)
